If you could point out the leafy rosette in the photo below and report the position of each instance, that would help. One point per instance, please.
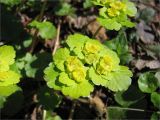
(103, 63)
(7, 76)
(85, 62)
(114, 13)
(68, 74)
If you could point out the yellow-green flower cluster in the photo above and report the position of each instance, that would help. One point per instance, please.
(7, 76)
(83, 63)
(114, 14)
(75, 68)
(116, 8)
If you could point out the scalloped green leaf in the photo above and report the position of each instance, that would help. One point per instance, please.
(7, 55)
(64, 78)
(8, 90)
(9, 78)
(147, 82)
(120, 46)
(119, 80)
(131, 9)
(155, 98)
(129, 97)
(60, 56)
(76, 41)
(96, 79)
(82, 89)
(46, 29)
(110, 24)
(50, 75)
(64, 9)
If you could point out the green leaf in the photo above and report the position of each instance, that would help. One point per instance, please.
(48, 99)
(82, 89)
(76, 41)
(33, 65)
(30, 71)
(147, 82)
(59, 58)
(119, 80)
(155, 98)
(9, 78)
(157, 75)
(87, 4)
(51, 76)
(96, 79)
(131, 9)
(64, 9)
(7, 55)
(153, 49)
(50, 116)
(8, 90)
(46, 29)
(10, 2)
(147, 14)
(127, 23)
(129, 97)
(120, 46)
(102, 12)
(110, 24)
(64, 78)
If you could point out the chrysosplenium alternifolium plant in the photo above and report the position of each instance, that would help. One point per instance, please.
(7, 76)
(84, 63)
(114, 13)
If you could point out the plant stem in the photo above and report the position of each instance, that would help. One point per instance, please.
(57, 39)
(72, 110)
(44, 114)
(133, 109)
(38, 18)
(97, 31)
(42, 11)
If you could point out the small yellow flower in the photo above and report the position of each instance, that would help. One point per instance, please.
(91, 48)
(113, 12)
(3, 76)
(118, 5)
(79, 75)
(105, 65)
(73, 63)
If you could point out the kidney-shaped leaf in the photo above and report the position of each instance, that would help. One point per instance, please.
(147, 82)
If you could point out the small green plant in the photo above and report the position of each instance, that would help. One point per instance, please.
(8, 77)
(83, 63)
(114, 13)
